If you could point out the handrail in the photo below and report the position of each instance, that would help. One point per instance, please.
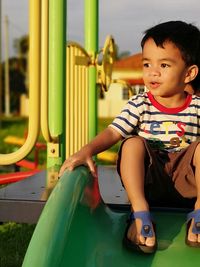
(44, 71)
(34, 85)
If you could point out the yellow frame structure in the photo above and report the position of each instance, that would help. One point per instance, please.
(34, 80)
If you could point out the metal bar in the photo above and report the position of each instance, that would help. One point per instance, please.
(7, 178)
(76, 98)
(80, 99)
(44, 70)
(70, 103)
(67, 104)
(34, 67)
(57, 74)
(57, 42)
(76, 107)
(7, 86)
(86, 107)
(91, 45)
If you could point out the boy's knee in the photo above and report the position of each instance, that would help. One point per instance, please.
(134, 143)
(196, 158)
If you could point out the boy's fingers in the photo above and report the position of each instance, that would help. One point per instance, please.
(71, 164)
(66, 165)
(61, 171)
(92, 167)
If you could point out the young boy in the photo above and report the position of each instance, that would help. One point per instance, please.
(159, 159)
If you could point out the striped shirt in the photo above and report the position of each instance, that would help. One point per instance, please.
(164, 128)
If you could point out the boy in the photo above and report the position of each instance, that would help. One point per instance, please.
(159, 159)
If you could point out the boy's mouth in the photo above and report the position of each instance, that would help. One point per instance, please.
(154, 85)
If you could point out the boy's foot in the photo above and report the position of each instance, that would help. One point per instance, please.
(193, 229)
(193, 237)
(139, 234)
(134, 234)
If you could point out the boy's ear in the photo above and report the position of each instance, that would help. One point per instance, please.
(191, 73)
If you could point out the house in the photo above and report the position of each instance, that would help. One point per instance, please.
(127, 74)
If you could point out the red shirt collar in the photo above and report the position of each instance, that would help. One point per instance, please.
(169, 110)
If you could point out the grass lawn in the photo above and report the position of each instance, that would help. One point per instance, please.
(14, 237)
(103, 123)
(14, 240)
(11, 126)
(18, 127)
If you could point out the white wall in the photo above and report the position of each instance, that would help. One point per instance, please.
(113, 102)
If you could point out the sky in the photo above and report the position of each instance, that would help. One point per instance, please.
(125, 20)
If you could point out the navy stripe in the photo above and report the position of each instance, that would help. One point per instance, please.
(140, 96)
(191, 134)
(139, 104)
(130, 113)
(195, 106)
(161, 113)
(120, 128)
(126, 121)
(160, 122)
(169, 132)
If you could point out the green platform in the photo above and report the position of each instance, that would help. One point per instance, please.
(71, 233)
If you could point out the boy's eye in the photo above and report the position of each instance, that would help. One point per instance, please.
(146, 65)
(164, 65)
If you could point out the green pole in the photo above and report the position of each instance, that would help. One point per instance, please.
(91, 46)
(57, 76)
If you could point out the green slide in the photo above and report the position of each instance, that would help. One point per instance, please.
(77, 229)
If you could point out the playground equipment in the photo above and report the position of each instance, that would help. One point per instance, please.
(71, 232)
(80, 225)
(19, 141)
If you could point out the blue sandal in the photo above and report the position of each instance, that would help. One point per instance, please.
(146, 231)
(195, 229)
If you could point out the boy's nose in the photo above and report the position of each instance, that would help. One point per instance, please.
(154, 73)
(153, 70)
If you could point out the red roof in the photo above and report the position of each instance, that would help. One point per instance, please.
(132, 62)
(135, 81)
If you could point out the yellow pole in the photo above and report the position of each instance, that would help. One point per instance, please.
(34, 85)
(44, 70)
(6, 68)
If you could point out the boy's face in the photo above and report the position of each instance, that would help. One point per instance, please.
(164, 70)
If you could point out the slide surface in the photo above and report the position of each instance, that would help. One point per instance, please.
(72, 231)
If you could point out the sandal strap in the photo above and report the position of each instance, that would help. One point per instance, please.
(145, 217)
(195, 214)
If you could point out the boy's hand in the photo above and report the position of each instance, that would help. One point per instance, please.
(101, 142)
(76, 160)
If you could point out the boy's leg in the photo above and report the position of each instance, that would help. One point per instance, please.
(196, 162)
(132, 172)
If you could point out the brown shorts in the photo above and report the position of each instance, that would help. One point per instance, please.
(169, 176)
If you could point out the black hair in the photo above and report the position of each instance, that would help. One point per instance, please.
(185, 36)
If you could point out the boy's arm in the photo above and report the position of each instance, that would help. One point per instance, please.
(101, 142)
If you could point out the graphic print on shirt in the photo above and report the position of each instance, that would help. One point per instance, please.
(164, 128)
(167, 128)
